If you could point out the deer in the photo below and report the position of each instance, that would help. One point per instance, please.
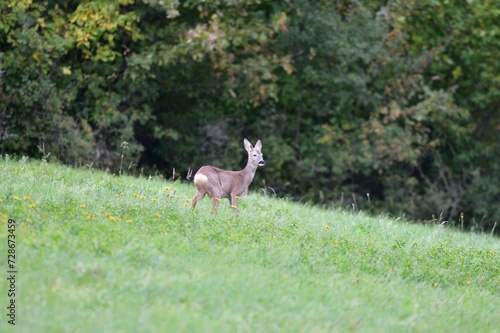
(219, 183)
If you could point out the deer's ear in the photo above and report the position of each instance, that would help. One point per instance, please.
(258, 145)
(248, 145)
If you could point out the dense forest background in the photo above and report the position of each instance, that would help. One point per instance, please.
(388, 106)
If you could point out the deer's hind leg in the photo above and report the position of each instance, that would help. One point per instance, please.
(200, 194)
(216, 194)
(215, 204)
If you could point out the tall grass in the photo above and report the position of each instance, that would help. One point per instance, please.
(103, 253)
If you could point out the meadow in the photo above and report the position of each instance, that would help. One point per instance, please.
(98, 252)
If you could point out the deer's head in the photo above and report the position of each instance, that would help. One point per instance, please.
(255, 156)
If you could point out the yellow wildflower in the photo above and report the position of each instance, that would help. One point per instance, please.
(82, 206)
(233, 207)
(157, 214)
(32, 205)
(136, 195)
(26, 197)
(1, 200)
(237, 197)
(107, 214)
(129, 221)
(167, 188)
(143, 197)
(112, 218)
(327, 226)
(15, 197)
(154, 199)
(218, 199)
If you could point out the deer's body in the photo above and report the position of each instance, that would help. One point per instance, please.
(218, 183)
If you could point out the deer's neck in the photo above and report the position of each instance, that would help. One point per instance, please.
(249, 172)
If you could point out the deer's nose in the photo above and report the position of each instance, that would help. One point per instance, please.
(262, 162)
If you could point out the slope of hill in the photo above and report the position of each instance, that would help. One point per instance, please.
(95, 252)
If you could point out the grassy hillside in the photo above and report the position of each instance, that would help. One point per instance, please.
(101, 253)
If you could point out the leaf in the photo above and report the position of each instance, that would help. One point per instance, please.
(66, 70)
(288, 68)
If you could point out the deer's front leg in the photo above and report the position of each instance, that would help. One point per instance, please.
(234, 202)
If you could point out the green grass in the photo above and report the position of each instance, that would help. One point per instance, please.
(100, 253)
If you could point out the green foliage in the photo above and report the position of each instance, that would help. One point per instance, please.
(461, 39)
(91, 246)
(62, 80)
